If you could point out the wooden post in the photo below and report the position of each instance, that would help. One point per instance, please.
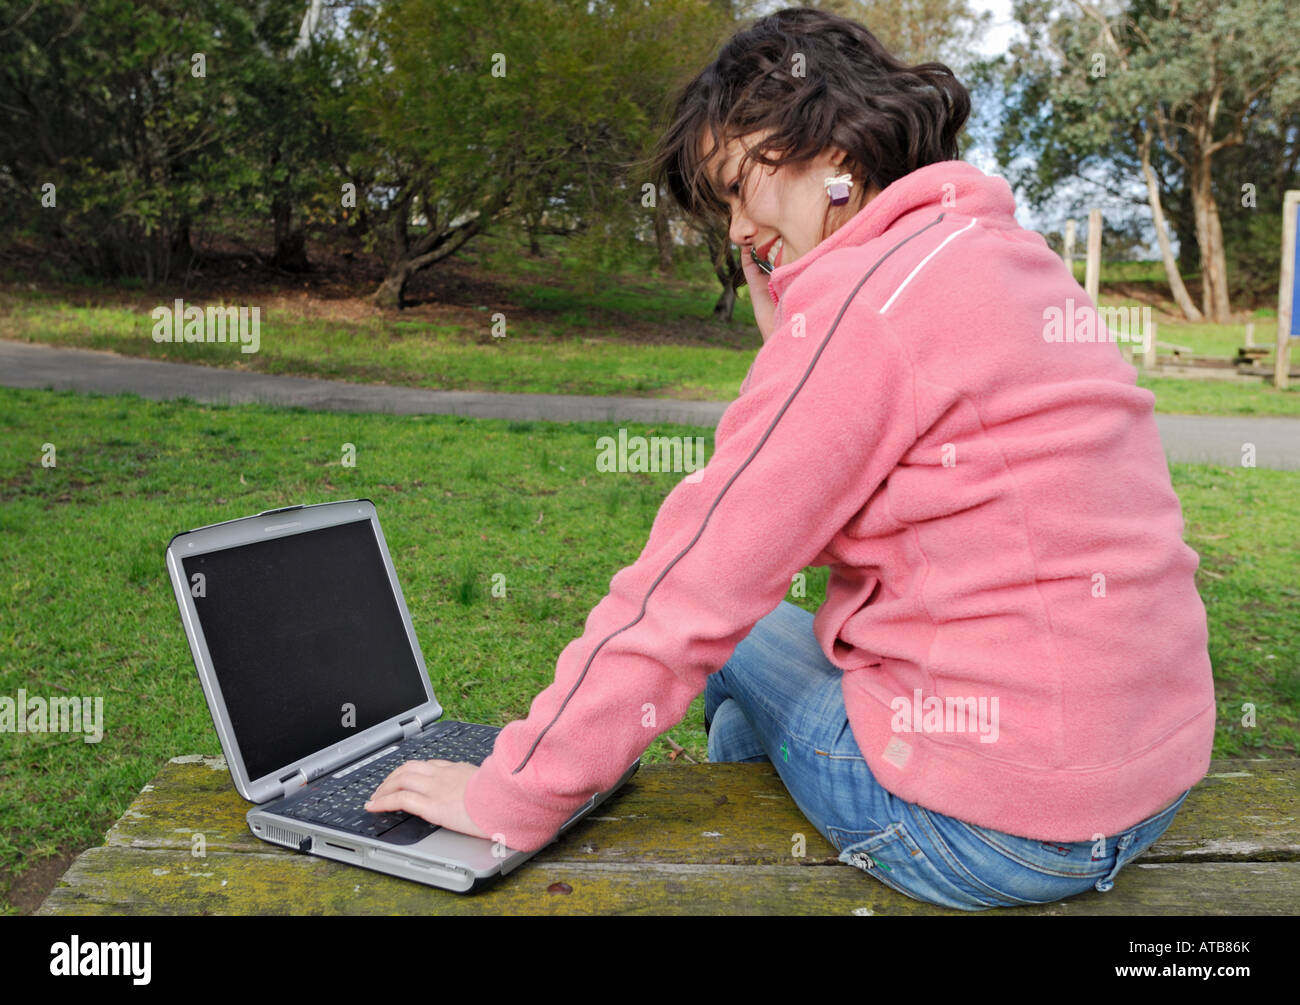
(1286, 291)
(1068, 251)
(1250, 334)
(1092, 277)
(1149, 333)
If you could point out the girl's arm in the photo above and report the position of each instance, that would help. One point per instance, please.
(821, 426)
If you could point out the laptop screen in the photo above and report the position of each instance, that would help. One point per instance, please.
(301, 630)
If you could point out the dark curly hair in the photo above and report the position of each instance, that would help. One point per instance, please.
(888, 117)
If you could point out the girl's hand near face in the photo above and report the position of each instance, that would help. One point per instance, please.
(764, 310)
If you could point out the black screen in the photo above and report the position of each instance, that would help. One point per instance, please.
(298, 626)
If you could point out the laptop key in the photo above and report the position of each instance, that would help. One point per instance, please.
(380, 824)
(340, 802)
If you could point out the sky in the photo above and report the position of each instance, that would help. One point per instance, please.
(1003, 27)
(996, 41)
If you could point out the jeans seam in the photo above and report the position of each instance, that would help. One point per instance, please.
(1012, 856)
(904, 837)
(837, 757)
(873, 832)
(959, 867)
(774, 715)
(946, 853)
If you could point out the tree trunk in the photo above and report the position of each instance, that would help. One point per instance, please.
(729, 275)
(1176, 287)
(291, 252)
(409, 257)
(290, 241)
(1209, 236)
(175, 249)
(728, 271)
(663, 238)
(726, 304)
(391, 291)
(1209, 229)
(1218, 260)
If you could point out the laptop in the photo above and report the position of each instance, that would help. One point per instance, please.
(318, 690)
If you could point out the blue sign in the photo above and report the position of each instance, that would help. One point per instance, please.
(1295, 286)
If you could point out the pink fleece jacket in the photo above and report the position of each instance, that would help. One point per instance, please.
(1010, 598)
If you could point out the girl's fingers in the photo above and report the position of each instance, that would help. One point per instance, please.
(759, 297)
(423, 783)
(409, 801)
(411, 769)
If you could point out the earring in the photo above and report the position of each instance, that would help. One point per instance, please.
(837, 188)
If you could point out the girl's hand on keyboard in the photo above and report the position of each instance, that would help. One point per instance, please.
(431, 790)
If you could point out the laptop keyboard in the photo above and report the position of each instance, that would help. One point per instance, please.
(340, 801)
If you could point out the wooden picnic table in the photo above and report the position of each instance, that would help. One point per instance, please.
(677, 839)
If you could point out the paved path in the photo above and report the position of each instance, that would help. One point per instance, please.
(1188, 438)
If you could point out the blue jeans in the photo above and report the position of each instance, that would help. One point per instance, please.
(778, 699)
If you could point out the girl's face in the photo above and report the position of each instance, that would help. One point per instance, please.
(779, 211)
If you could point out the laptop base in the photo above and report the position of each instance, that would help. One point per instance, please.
(446, 859)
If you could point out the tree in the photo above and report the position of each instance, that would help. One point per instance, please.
(919, 31)
(107, 127)
(528, 107)
(123, 128)
(1165, 86)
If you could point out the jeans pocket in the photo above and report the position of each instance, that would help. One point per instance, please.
(893, 857)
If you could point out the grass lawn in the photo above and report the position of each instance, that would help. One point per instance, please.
(88, 608)
(494, 319)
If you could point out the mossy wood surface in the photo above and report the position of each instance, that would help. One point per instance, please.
(704, 839)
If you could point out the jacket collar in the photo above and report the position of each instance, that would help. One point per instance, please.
(947, 186)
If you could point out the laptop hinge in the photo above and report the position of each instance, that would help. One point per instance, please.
(291, 783)
(411, 726)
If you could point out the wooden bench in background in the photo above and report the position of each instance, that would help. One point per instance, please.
(677, 839)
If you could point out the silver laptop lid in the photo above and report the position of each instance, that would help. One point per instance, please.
(302, 641)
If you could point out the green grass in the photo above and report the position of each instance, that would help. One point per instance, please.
(568, 330)
(88, 608)
(533, 356)
(1185, 396)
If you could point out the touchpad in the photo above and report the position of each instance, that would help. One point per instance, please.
(409, 831)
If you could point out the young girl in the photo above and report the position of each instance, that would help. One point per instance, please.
(1006, 694)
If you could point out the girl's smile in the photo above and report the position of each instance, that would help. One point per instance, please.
(781, 213)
